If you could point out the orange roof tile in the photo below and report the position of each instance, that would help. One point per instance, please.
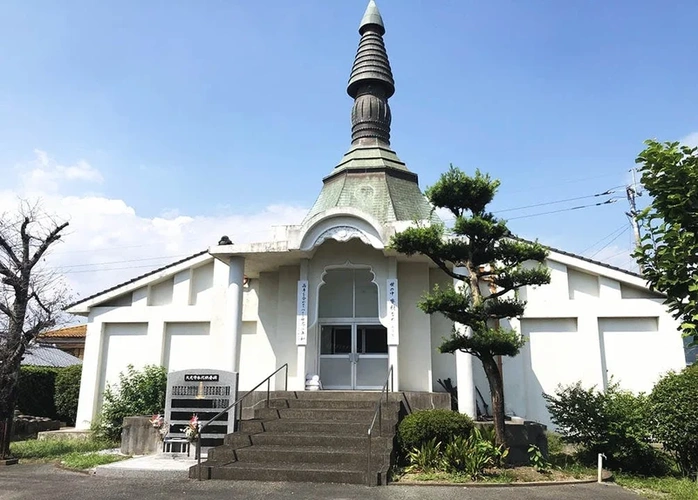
(68, 332)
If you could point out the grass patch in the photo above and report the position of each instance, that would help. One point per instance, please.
(49, 450)
(668, 488)
(77, 460)
(73, 453)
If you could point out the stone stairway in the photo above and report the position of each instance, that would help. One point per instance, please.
(316, 436)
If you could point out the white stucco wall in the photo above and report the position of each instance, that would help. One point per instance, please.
(415, 350)
(582, 327)
(177, 322)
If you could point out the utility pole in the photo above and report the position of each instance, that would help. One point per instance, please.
(631, 192)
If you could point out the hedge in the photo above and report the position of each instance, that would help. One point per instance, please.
(68, 393)
(37, 390)
(46, 391)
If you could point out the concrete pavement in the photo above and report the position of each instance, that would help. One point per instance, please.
(46, 482)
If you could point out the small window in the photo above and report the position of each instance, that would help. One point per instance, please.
(335, 340)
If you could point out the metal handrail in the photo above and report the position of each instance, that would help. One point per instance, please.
(378, 413)
(202, 427)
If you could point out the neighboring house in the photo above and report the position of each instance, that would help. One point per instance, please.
(43, 355)
(70, 339)
(330, 298)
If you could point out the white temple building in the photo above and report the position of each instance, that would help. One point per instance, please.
(329, 298)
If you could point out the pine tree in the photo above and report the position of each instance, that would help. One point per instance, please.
(481, 252)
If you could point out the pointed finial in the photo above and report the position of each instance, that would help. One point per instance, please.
(372, 16)
(371, 83)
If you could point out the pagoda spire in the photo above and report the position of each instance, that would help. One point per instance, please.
(371, 83)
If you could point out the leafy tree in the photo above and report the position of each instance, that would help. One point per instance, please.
(31, 297)
(673, 417)
(482, 253)
(668, 253)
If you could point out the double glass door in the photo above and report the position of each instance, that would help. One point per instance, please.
(353, 356)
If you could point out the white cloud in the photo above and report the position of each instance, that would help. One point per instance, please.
(45, 175)
(108, 242)
(690, 140)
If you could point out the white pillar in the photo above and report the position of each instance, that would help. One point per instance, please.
(236, 275)
(466, 384)
(464, 367)
(91, 373)
(302, 325)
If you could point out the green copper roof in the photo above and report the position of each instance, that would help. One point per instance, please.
(379, 194)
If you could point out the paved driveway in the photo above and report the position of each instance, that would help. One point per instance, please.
(39, 482)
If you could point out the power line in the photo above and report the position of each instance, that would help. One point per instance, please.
(111, 269)
(605, 193)
(612, 200)
(71, 266)
(612, 233)
(607, 244)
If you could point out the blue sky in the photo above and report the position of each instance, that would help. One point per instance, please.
(215, 109)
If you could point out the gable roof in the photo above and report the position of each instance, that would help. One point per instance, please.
(43, 355)
(595, 262)
(72, 332)
(135, 282)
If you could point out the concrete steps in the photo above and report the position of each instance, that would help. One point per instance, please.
(296, 472)
(308, 436)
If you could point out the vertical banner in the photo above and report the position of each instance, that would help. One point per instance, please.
(302, 314)
(393, 331)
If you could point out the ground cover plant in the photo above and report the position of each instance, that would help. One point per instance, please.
(73, 453)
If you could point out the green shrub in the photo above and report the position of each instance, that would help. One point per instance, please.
(67, 393)
(556, 446)
(36, 391)
(537, 460)
(426, 458)
(673, 417)
(613, 422)
(422, 426)
(467, 455)
(472, 455)
(139, 392)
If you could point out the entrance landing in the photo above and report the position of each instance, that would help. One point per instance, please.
(161, 466)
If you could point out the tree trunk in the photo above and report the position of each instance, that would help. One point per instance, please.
(494, 377)
(9, 379)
